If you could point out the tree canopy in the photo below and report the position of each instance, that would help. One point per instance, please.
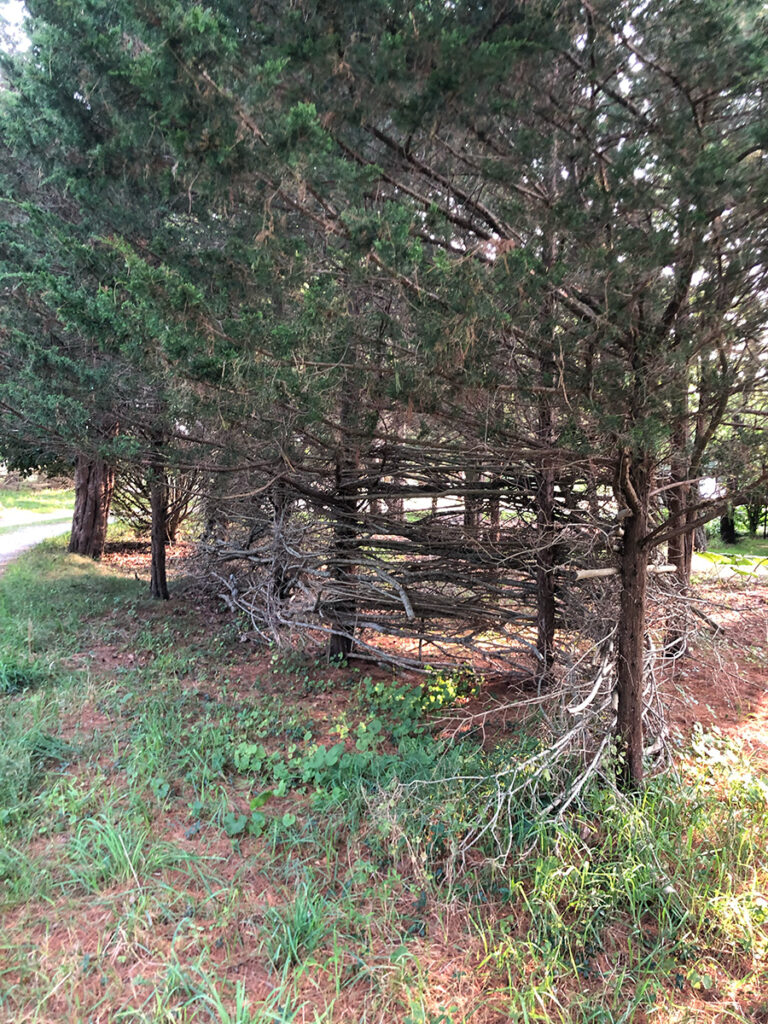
(437, 298)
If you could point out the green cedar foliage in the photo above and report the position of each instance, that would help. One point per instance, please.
(442, 211)
(491, 182)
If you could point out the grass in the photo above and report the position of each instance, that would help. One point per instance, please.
(186, 835)
(747, 558)
(756, 547)
(36, 501)
(48, 599)
(294, 931)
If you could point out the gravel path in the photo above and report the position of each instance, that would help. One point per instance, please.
(24, 537)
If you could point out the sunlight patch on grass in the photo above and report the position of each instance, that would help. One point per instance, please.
(27, 504)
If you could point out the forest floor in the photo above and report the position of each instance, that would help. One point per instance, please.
(193, 830)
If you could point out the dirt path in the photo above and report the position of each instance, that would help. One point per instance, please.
(20, 539)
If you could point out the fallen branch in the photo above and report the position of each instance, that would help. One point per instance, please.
(597, 574)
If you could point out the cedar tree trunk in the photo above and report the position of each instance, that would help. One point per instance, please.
(680, 500)
(545, 488)
(754, 516)
(545, 576)
(494, 512)
(281, 579)
(728, 528)
(634, 486)
(472, 504)
(545, 519)
(158, 494)
(343, 607)
(680, 554)
(94, 484)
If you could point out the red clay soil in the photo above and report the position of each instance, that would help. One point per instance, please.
(132, 557)
(723, 681)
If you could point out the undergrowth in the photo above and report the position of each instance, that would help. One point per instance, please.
(185, 836)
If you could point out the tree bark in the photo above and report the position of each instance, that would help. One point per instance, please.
(494, 512)
(680, 552)
(680, 548)
(472, 504)
(158, 494)
(545, 521)
(754, 516)
(680, 555)
(545, 486)
(728, 529)
(281, 580)
(545, 576)
(396, 504)
(343, 605)
(94, 484)
(634, 487)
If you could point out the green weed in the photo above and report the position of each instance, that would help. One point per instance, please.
(21, 876)
(443, 688)
(103, 851)
(27, 752)
(19, 675)
(293, 932)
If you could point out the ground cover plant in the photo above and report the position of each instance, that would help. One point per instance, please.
(747, 557)
(191, 832)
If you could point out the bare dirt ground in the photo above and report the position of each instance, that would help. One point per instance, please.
(723, 681)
